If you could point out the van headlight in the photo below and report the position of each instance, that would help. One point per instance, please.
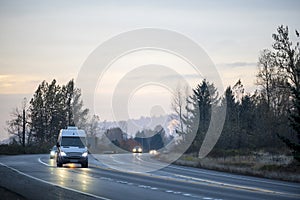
(85, 154)
(52, 153)
(62, 153)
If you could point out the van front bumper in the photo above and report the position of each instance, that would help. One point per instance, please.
(67, 159)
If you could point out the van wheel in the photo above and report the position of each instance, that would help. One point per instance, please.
(85, 165)
(58, 164)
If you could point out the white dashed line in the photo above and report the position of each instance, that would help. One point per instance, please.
(169, 191)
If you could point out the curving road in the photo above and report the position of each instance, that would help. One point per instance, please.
(37, 177)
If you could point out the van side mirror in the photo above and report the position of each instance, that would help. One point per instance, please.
(57, 144)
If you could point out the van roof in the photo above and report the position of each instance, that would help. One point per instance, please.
(72, 128)
(72, 131)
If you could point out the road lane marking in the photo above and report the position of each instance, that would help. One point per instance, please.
(229, 185)
(115, 160)
(255, 179)
(44, 163)
(53, 184)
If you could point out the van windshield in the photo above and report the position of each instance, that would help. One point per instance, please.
(73, 141)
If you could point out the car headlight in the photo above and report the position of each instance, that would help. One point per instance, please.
(153, 152)
(85, 154)
(52, 153)
(134, 150)
(62, 153)
(140, 149)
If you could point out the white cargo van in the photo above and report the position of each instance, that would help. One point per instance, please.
(72, 147)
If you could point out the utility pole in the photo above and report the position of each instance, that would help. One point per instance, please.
(24, 122)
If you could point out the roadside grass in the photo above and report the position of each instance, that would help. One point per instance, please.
(259, 164)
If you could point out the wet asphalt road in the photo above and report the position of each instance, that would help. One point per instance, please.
(131, 176)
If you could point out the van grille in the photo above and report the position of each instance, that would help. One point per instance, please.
(74, 154)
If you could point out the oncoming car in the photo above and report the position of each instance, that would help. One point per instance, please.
(153, 152)
(137, 149)
(53, 152)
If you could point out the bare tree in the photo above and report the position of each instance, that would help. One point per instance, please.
(94, 126)
(14, 126)
(178, 106)
(19, 123)
(266, 73)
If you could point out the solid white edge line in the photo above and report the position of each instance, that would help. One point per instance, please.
(53, 184)
(44, 163)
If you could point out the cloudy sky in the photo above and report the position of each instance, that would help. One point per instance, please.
(43, 40)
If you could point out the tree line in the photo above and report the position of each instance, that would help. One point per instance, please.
(52, 107)
(267, 119)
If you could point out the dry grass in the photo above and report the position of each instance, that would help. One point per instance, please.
(260, 164)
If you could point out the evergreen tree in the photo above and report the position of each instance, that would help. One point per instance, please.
(38, 113)
(79, 113)
(53, 108)
(201, 101)
(227, 138)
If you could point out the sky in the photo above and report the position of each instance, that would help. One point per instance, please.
(45, 40)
